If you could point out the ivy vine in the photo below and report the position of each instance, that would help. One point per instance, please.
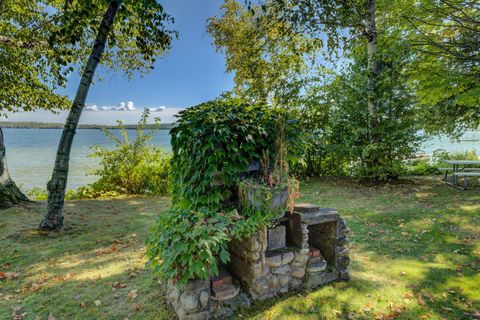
(213, 143)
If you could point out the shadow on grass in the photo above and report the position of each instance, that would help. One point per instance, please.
(64, 273)
(420, 228)
(416, 238)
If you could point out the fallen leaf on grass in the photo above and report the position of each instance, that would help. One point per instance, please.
(9, 275)
(408, 295)
(420, 300)
(19, 316)
(39, 232)
(137, 307)
(133, 294)
(118, 285)
(111, 249)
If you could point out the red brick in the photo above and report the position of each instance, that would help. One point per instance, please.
(217, 283)
(222, 278)
(314, 252)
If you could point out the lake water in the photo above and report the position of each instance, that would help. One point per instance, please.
(31, 153)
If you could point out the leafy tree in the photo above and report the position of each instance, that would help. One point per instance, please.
(131, 42)
(270, 64)
(30, 71)
(445, 36)
(338, 21)
(344, 144)
(349, 29)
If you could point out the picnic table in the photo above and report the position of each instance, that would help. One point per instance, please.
(460, 169)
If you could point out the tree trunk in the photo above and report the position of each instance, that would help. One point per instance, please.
(10, 194)
(57, 185)
(371, 159)
(373, 66)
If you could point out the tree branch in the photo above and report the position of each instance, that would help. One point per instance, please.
(20, 44)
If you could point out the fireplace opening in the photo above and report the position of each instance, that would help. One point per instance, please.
(293, 232)
(322, 237)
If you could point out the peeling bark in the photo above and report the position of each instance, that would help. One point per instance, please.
(57, 185)
(10, 194)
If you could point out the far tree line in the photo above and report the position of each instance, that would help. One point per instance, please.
(52, 125)
(364, 76)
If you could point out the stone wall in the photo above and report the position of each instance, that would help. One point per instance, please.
(191, 302)
(265, 273)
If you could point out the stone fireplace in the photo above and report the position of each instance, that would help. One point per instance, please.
(305, 249)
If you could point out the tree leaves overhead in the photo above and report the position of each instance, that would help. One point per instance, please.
(29, 68)
(43, 41)
(445, 36)
(270, 63)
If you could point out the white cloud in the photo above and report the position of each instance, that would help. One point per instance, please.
(157, 109)
(92, 108)
(122, 106)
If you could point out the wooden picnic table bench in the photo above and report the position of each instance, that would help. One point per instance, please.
(464, 171)
(466, 174)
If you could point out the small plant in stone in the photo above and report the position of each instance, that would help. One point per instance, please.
(275, 191)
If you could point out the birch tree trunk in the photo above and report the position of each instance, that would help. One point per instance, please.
(10, 194)
(371, 159)
(373, 66)
(57, 185)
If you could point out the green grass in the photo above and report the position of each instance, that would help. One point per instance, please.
(415, 251)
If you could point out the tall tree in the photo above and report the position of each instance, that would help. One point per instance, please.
(340, 21)
(314, 24)
(136, 37)
(270, 65)
(10, 194)
(342, 32)
(30, 71)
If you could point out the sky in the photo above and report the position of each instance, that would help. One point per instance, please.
(190, 73)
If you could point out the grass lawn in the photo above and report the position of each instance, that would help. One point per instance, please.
(415, 251)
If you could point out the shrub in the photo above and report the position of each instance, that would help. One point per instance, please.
(37, 193)
(185, 244)
(84, 192)
(132, 167)
(421, 167)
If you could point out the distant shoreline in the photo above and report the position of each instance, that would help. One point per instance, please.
(51, 125)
